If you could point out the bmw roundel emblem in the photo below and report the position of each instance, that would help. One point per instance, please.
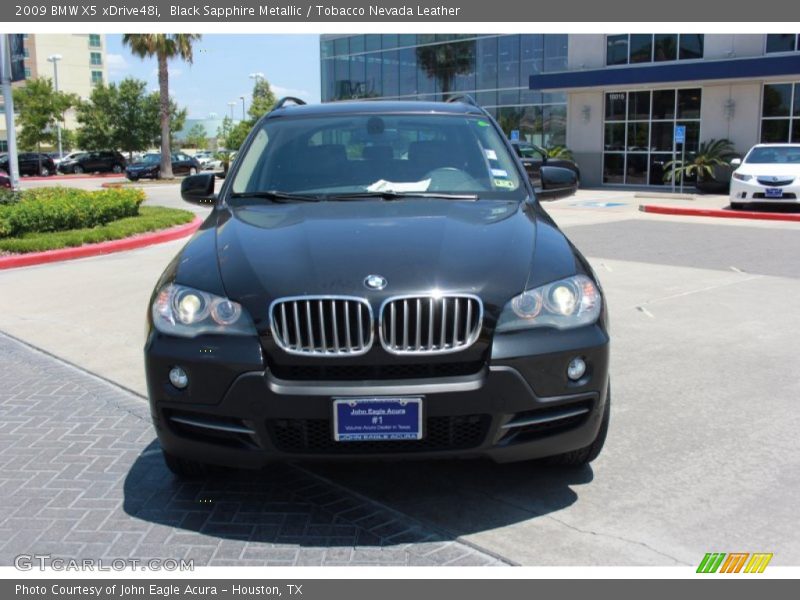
(375, 282)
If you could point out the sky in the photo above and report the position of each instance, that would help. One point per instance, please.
(221, 68)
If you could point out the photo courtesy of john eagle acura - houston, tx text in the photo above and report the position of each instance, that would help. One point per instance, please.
(377, 279)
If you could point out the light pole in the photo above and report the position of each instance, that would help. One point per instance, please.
(231, 104)
(258, 75)
(242, 99)
(54, 58)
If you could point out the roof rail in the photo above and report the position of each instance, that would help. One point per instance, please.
(285, 99)
(464, 99)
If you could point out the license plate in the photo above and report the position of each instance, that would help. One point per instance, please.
(773, 193)
(377, 419)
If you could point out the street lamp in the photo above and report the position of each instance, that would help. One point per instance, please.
(242, 99)
(54, 58)
(231, 104)
(257, 75)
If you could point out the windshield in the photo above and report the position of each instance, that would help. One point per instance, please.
(369, 153)
(150, 158)
(774, 154)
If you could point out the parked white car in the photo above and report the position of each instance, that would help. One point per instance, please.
(769, 173)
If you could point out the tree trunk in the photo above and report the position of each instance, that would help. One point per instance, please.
(163, 89)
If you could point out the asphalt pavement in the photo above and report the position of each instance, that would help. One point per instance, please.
(702, 455)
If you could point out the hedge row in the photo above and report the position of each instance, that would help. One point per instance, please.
(62, 209)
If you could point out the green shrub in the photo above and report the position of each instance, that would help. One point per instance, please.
(62, 209)
(8, 196)
(150, 218)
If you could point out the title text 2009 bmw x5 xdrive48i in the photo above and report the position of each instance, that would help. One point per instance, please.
(377, 279)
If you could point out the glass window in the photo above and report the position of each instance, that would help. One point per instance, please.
(638, 137)
(372, 42)
(508, 97)
(638, 106)
(27, 72)
(97, 77)
(391, 72)
(691, 46)
(662, 135)
(438, 153)
(641, 47)
(26, 52)
(408, 71)
(487, 63)
(796, 110)
(615, 136)
(555, 52)
(617, 49)
(795, 139)
(328, 80)
(775, 130)
(777, 99)
(389, 40)
(665, 47)
(508, 53)
(407, 39)
(357, 76)
(531, 50)
(613, 168)
(342, 78)
(689, 103)
(663, 104)
(326, 48)
(781, 42)
(94, 40)
(636, 169)
(615, 106)
(341, 46)
(373, 77)
(96, 58)
(356, 44)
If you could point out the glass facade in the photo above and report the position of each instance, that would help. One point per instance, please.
(638, 132)
(493, 69)
(633, 48)
(783, 42)
(780, 113)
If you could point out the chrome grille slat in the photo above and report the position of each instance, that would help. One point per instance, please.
(453, 323)
(322, 325)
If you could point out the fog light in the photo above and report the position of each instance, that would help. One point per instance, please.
(178, 378)
(576, 368)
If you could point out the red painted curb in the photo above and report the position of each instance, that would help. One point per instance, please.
(717, 212)
(131, 243)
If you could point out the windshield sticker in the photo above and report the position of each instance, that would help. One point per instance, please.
(483, 123)
(504, 183)
(490, 154)
(499, 173)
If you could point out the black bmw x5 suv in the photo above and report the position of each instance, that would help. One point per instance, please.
(377, 279)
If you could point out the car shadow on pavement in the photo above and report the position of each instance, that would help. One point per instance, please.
(348, 504)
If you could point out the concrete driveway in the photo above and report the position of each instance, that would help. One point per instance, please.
(703, 453)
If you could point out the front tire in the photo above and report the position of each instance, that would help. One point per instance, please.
(583, 456)
(78, 170)
(44, 172)
(737, 205)
(116, 169)
(184, 468)
(192, 171)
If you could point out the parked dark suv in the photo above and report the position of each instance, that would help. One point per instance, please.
(377, 279)
(30, 163)
(104, 161)
(149, 166)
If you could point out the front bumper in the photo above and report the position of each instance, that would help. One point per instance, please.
(753, 191)
(518, 406)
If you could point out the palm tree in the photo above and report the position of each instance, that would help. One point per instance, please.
(709, 154)
(445, 61)
(163, 46)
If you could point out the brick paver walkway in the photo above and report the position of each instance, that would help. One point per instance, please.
(81, 476)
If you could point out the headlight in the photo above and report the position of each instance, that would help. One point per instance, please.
(186, 312)
(742, 177)
(563, 304)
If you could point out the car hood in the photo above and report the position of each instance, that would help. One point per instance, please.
(328, 248)
(769, 169)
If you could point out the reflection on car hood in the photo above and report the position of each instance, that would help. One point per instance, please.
(273, 250)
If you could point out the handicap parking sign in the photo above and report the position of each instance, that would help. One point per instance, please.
(680, 134)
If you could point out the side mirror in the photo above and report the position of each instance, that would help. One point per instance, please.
(736, 162)
(198, 189)
(558, 182)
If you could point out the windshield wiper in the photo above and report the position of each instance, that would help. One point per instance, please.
(277, 196)
(391, 195)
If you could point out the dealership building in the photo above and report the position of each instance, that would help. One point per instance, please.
(613, 100)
